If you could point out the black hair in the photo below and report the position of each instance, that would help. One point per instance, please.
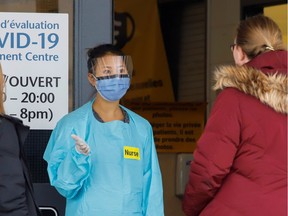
(100, 51)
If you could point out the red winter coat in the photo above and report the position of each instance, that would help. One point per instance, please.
(240, 164)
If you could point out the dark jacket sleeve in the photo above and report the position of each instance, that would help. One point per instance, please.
(12, 180)
(214, 155)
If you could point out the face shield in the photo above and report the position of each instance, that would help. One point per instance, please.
(112, 66)
(113, 75)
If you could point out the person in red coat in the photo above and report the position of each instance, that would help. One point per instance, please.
(240, 163)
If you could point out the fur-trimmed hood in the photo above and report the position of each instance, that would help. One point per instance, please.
(270, 89)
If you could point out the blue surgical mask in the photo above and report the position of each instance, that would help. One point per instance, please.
(113, 89)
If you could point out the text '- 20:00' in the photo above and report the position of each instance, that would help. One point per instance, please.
(38, 98)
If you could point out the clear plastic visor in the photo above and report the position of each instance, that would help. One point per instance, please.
(112, 66)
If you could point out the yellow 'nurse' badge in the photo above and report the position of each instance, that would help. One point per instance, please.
(131, 153)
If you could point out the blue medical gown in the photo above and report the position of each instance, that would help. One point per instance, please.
(105, 183)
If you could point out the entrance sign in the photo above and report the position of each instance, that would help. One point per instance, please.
(34, 59)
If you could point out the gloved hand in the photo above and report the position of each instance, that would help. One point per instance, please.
(81, 146)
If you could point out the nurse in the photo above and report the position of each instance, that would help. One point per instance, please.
(102, 156)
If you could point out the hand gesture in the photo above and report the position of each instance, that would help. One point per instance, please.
(81, 146)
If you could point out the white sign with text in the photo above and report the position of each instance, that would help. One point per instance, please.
(34, 59)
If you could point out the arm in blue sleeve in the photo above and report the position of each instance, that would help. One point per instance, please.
(153, 190)
(67, 169)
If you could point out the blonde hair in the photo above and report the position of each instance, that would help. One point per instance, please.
(2, 83)
(259, 34)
